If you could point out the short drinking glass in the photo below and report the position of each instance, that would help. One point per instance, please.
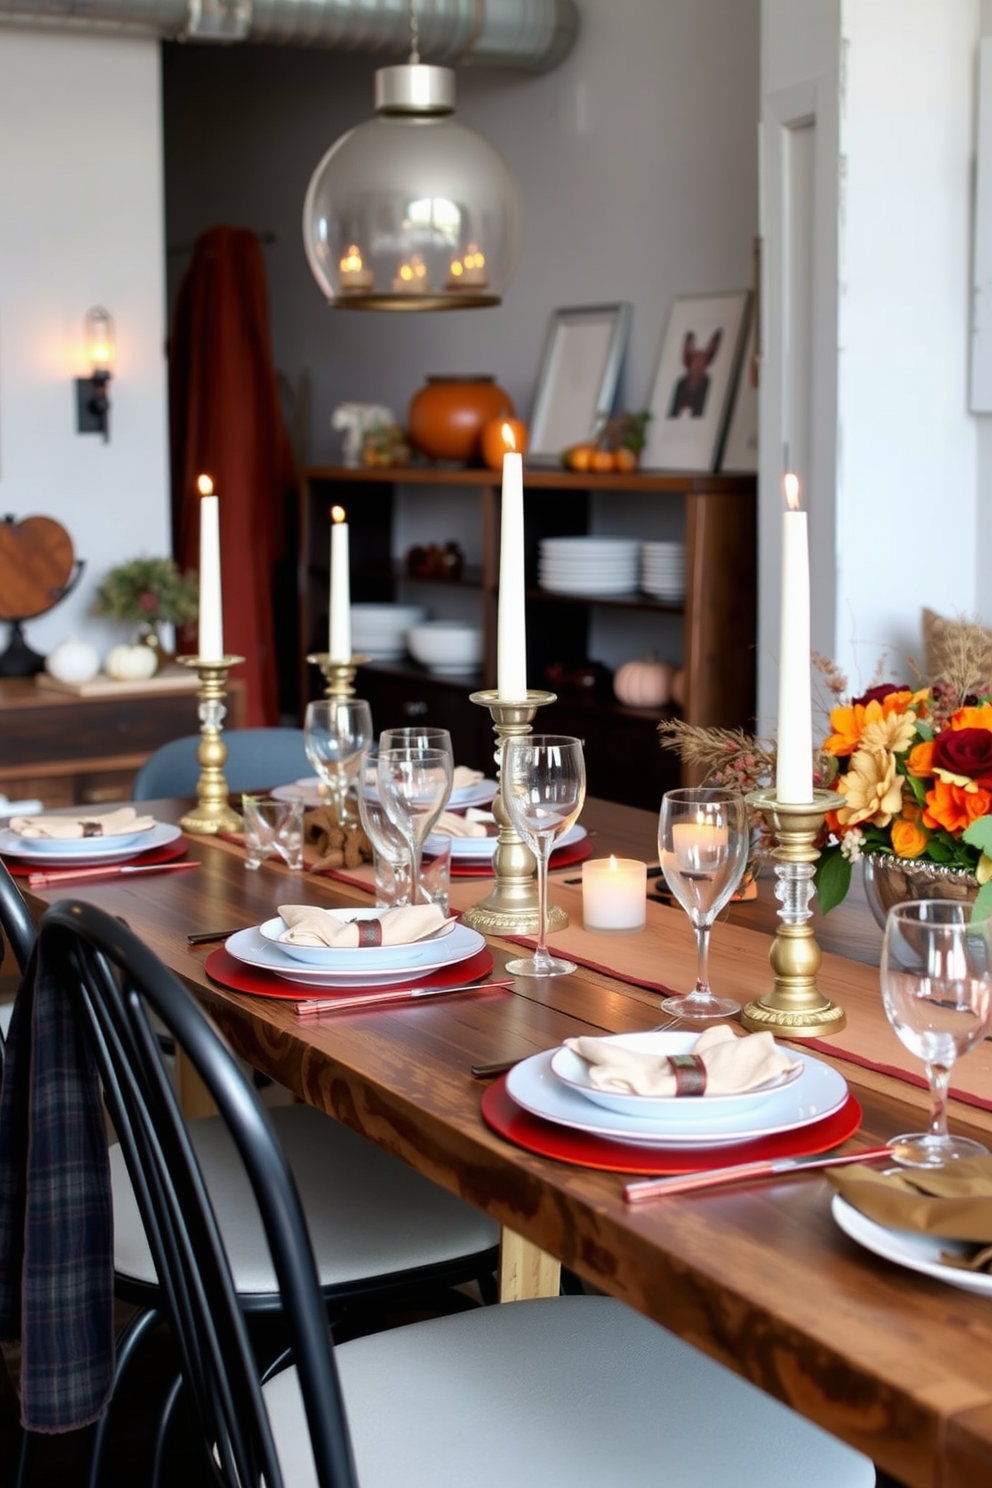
(936, 973)
(273, 829)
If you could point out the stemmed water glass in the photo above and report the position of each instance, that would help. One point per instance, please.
(335, 732)
(543, 786)
(936, 974)
(416, 736)
(703, 842)
(385, 836)
(414, 785)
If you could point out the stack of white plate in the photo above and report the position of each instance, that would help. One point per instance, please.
(379, 630)
(589, 565)
(663, 570)
(556, 1086)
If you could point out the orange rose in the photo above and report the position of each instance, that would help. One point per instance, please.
(847, 724)
(919, 761)
(980, 718)
(911, 812)
(908, 839)
(953, 808)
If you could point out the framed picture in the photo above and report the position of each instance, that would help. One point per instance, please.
(696, 372)
(577, 382)
(740, 448)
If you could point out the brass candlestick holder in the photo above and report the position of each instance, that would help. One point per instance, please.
(213, 812)
(795, 1008)
(512, 908)
(338, 675)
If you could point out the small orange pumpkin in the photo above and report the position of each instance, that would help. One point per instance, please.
(495, 443)
(644, 684)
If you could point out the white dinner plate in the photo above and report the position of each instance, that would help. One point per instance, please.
(534, 1086)
(593, 586)
(908, 1248)
(68, 854)
(481, 849)
(308, 791)
(403, 963)
(573, 1071)
(328, 958)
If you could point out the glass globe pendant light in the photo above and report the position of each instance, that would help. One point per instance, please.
(412, 210)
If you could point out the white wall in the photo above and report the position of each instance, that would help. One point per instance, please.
(81, 224)
(907, 495)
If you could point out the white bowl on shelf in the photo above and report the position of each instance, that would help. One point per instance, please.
(379, 630)
(446, 646)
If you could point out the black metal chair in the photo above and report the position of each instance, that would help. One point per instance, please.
(257, 759)
(577, 1391)
(383, 1236)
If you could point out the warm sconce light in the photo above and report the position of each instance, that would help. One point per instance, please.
(92, 403)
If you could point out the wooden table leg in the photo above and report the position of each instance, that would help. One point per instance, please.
(194, 1099)
(525, 1270)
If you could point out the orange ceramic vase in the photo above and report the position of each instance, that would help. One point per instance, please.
(446, 418)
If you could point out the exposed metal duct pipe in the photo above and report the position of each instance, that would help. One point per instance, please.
(530, 35)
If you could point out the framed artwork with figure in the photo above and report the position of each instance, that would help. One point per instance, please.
(697, 371)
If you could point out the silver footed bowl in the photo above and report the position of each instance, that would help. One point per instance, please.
(890, 880)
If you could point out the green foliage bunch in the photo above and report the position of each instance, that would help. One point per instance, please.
(146, 591)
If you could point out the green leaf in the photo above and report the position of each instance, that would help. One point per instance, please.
(982, 906)
(979, 834)
(832, 879)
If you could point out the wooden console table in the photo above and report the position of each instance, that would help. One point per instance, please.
(72, 748)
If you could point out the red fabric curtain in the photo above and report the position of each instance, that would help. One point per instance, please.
(226, 421)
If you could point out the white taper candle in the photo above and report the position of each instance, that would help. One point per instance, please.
(211, 622)
(511, 631)
(794, 756)
(339, 602)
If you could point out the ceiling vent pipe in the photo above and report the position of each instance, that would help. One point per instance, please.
(529, 35)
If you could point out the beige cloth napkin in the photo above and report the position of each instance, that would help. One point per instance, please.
(720, 1063)
(463, 777)
(309, 926)
(119, 823)
(453, 825)
(954, 1203)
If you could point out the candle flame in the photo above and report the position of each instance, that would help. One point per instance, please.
(508, 438)
(337, 513)
(204, 485)
(790, 488)
(613, 863)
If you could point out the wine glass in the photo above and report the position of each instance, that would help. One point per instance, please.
(936, 973)
(392, 855)
(335, 732)
(414, 786)
(703, 843)
(416, 736)
(543, 785)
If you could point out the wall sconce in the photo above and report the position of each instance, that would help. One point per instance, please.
(92, 403)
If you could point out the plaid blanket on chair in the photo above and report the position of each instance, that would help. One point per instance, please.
(56, 1221)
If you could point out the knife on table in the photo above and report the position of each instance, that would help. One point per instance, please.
(55, 876)
(657, 1188)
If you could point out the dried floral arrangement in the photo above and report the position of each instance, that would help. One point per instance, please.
(913, 763)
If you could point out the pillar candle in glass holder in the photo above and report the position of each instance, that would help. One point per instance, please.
(339, 600)
(511, 629)
(614, 894)
(211, 623)
(794, 750)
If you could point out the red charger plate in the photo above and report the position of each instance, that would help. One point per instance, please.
(227, 971)
(585, 1150)
(21, 868)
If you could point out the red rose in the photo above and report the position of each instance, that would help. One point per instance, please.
(877, 694)
(965, 752)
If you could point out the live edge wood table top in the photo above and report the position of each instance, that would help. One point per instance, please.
(759, 1277)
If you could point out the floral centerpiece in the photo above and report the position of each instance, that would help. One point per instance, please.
(147, 591)
(913, 765)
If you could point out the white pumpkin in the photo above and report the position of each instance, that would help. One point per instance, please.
(130, 663)
(644, 684)
(73, 660)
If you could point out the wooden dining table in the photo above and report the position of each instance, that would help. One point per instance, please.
(758, 1276)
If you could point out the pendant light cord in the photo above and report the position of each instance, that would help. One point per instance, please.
(414, 35)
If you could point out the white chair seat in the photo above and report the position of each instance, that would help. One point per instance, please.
(369, 1214)
(577, 1391)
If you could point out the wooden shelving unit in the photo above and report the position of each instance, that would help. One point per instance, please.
(718, 615)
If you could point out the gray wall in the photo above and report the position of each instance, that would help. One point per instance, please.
(637, 160)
